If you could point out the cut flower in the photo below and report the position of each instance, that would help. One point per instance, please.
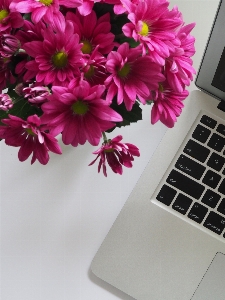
(116, 154)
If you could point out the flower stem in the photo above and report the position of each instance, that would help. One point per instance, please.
(104, 137)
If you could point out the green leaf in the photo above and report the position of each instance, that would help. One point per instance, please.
(128, 116)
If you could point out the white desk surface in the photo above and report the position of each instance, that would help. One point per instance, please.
(54, 217)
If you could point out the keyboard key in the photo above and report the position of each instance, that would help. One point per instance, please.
(190, 167)
(221, 207)
(211, 179)
(215, 222)
(208, 121)
(221, 129)
(166, 194)
(216, 161)
(182, 204)
(185, 184)
(197, 212)
(201, 133)
(216, 142)
(221, 188)
(210, 198)
(196, 151)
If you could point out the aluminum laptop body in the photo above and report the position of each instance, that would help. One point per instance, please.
(165, 250)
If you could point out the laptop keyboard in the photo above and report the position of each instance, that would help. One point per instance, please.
(194, 185)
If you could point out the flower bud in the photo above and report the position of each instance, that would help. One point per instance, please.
(9, 45)
(5, 102)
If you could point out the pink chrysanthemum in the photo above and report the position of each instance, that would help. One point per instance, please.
(8, 18)
(46, 10)
(57, 59)
(30, 137)
(178, 68)
(167, 105)
(79, 113)
(152, 25)
(94, 70)
(93, 32)
(131, 76)
(116, 154)
(36, 94)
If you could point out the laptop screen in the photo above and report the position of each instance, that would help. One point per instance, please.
(211, 74)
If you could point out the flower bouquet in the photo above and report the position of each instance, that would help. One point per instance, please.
(81, 68)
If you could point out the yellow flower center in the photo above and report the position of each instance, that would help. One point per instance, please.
(3, 14)
(59, 59)
(29, 131)
(108, 150)
(80, 107)
(90, 72)
(46, 2)
(87, 47)
(144, 30)
(124, 71)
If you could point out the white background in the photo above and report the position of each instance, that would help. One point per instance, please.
(55, 217)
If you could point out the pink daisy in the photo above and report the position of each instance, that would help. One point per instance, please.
(56, 59)
(167, 105)
(46, 10)
(93, 32)
(116, 154)
(79, 112)
(5, 102)
(131, 76)
(36, 94)
(8, 18)
(9, 45)
(30, 137)
(178, 68)
(151, 24)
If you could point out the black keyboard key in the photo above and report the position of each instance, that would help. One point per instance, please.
(182, 204)
(210, 198)
(196, 151)
(216, 161)
(190, 167)
(221, 188)
(166, 194)
(216, 142)
(215, 222)
(208, 121)
(201, 133)
(211, 179)
(185, 184)
(221, 207)
(197, 212)
(221, 129)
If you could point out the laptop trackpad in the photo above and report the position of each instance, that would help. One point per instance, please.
(212, 285)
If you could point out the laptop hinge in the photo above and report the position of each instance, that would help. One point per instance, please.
(221, 105)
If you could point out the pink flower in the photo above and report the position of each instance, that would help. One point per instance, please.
(167, 105)
(131, 76)
(178, 67)
(36, 94)
(93, 32)
(46, 10)
(152, 25)
(30, 136)
(116, 154)
(79, 113)
(5, 102)
(8, 18)
(5, 72)
(57, 59)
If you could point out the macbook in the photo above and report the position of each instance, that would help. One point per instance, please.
(168, 242)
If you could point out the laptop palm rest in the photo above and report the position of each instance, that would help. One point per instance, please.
(212, 284)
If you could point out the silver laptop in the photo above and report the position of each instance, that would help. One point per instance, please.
(168, 242)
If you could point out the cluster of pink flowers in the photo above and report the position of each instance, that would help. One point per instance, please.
(72, 67)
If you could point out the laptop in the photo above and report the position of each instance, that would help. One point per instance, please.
(168, 242)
